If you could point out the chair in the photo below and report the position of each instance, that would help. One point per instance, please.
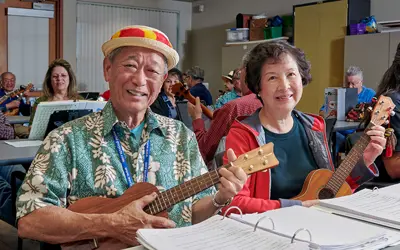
(331, 137)
(182, 110)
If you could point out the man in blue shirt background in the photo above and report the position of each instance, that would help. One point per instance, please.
(354, 79)
(8, 85)
(194, 79)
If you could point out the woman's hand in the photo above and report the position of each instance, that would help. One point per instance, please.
(376, 145)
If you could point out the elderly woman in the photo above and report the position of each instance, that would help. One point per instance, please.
(165, 103)
(277, 72)
(59, 85)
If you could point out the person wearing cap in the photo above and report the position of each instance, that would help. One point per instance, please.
(105, 153)
(235, 93)
(194, 79)
(227, 79)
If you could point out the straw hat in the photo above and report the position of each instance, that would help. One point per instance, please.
(228, 77)
(142, 36)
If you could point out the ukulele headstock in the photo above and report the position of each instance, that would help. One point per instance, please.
(384, 107)
(258, 159)
(22, 89)
(179, 89)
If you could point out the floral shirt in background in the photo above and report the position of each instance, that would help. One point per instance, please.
(80, 159)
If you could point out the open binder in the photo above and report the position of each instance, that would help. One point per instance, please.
(378, 206)
(287, 228)
(217, 232)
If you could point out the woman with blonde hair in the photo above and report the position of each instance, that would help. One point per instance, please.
(59, 85)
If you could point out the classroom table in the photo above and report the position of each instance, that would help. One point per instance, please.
(344, 125)
(10, 155)
(18, 119)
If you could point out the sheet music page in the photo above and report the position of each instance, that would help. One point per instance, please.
(326, 229)
(215, 233)
(391, 190)
(369, 203)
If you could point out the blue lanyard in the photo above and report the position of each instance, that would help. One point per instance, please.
(166, 100)
(123, 159)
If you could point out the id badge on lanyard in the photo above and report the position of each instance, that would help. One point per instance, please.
(122, 158)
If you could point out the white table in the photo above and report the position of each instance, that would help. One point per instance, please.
(18, 119)
(10, 155)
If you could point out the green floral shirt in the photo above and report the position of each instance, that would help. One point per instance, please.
(80, 159)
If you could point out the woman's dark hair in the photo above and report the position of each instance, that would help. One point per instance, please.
(176, 72)
(272, 52)
(390, 82)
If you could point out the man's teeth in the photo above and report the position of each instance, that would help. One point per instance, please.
(132, 92)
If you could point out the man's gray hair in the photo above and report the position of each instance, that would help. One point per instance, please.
(116, 51)
(354, 71)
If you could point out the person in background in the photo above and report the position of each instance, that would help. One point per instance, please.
(8, 85)
(390, 86)
(210, 139)
(354, 79)
(194, 80)
(235, 93)
(165, 103)
(277, 72)
(6, 211)
(59, 85)
(227, 79)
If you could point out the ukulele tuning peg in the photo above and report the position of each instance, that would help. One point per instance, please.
(392, 113)
(374, 100)
(386, 122)
(369, 109)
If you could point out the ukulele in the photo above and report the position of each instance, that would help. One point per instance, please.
(256, 160)
(326, 184)
(12, 94)
(181, 91)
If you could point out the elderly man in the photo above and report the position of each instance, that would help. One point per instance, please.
(211, 141)
(194, 78)
(8, 85)
(354, 79)
(234, 93)
(104, 153)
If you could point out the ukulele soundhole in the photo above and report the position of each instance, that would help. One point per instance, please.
(326, 193)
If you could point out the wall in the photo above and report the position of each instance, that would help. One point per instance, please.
(208, 30)
(385, 10)
(69, 31)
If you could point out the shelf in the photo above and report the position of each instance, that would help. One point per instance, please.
(255, 42)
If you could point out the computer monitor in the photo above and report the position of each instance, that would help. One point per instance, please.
(90, 95)
(45, 109)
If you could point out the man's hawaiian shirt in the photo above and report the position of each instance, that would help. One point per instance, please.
(80, 159)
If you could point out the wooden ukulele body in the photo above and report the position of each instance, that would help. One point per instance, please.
(98, 205)
(315, 182)
(12, 112)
